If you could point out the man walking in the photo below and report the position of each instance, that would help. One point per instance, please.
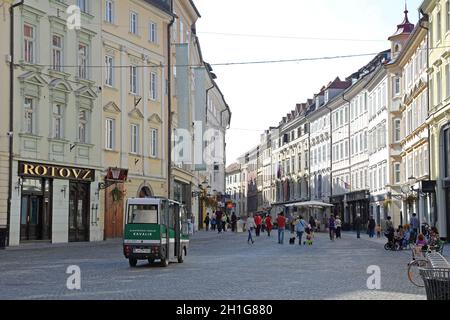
(233, 222)
(250, 226)
(258, 222)
(300, 228)
(415, 224)
(332, 227)
(371, 226)
(358, 224)
(281, 221)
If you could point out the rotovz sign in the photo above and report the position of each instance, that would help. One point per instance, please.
(38, 170)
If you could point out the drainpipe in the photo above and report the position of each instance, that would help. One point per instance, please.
(169, 104)
(425, 18)
(11, 115)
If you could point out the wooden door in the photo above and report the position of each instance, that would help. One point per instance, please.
(114, 213)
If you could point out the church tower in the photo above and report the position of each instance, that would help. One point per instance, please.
(398, 40)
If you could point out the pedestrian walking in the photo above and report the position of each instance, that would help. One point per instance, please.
(224, 222)
(414, 224)
(358, 225)
(269, 225)
(281, 222)
(331, 227)
(258, 222)
(338, 226)
(233, 222)
(300, 229)
(250, 227)
(312, 222)
(219, 221)
(371, 226)
(207, 221)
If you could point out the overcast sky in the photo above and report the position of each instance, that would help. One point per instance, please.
(260, 95)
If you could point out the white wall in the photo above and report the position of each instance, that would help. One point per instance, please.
(60, 218)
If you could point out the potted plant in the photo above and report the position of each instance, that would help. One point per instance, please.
(387, 203)
(116, 194)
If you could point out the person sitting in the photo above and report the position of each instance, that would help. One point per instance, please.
(435, 240)
(420, 247)
(399, 235)
(406, 237)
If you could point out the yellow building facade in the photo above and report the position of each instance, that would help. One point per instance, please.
(438, 14)
(134, 101)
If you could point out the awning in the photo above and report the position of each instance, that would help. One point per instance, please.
(310, 204)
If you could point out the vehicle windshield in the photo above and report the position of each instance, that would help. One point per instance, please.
(142, 214)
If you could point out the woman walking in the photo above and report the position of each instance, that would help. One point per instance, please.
(371, 227)
(338, 225)
(250, 226)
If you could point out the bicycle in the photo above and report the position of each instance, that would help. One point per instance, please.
(421, 263)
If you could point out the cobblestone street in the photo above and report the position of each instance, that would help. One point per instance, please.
(218, 267)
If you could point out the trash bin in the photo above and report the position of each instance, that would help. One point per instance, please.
(437, 283)
(3, 233)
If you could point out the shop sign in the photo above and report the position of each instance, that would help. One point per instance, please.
(38, 170)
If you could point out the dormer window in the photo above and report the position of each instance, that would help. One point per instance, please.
(326, 96)
(397, 48)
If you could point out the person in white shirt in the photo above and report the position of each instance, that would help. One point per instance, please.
(338, 225)
(251, 225)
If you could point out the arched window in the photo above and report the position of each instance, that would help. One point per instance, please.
(145, 192)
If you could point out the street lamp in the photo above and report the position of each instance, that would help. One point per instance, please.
(412, 181)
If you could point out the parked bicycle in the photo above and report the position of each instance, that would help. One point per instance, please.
(421, 262)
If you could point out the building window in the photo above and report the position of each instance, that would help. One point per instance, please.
(57, 53)
(134, 139)
(57, 121)
(133, 22)
(153, 32)
(82, 126)
(82, 4)
(133, 79)
(109, 73)
(439, 26)
(154, 145)
(446, 159)
(396, 86)
(29, 115)
(397, 130)
(153, 86)
(82, 60)
(109, 11)
(439, 87)
(110, 128)
(397, 173)
(29, 35)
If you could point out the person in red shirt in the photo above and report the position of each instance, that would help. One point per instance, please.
(281, 221)
(258, 222)
(269, 224)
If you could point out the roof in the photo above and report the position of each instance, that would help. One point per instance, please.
(338, 84)
(404, 28)
(233, 168)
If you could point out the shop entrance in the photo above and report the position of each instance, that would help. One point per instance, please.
(35, 217)
(79, 212)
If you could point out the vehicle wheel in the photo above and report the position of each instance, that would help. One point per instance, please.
(181, 258)
(414, 273)
(164, 262)
(387, 246)
(132, 262)
(151, 260)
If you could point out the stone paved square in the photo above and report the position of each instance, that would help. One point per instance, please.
(218, 267)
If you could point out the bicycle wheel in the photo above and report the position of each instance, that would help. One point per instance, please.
(414, 273)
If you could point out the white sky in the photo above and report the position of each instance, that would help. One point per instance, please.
(260, 95)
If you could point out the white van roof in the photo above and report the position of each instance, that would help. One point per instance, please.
(154, 200)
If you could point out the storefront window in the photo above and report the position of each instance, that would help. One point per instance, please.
(447, 152)
(32, 185)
